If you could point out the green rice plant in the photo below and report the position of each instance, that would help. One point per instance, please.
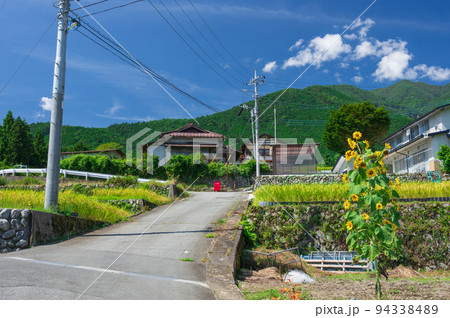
(336, 191)
(130, 193)
(69, 201)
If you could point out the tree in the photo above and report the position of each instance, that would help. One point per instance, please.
(109, 145)
(40, 150)
(364, 117)
(5, 132)
(444, 155)
(17, 145)
(80, 146)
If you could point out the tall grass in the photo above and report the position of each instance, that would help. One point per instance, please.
(129, 193)
(336, 191)
(69, 201)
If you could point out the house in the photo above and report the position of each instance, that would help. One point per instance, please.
(283, 156)
(414, 147)
(112, 153)
(185, 141)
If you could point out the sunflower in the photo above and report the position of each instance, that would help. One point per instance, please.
(367, 144)
(347, 204)
(348, 155)
(357, 135)
(362, 165)
(359, 159)
(385, 152)
(351, 143)
(387, 146)
(349, 225)
(344, 178)
(371, 173)
(378, 153)
(366, 216)
(355, 198)
(379, 206)
(394, 226)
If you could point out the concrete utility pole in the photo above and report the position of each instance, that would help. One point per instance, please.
(256, 81)
(54, 147)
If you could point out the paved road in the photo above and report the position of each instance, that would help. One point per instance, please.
(148, 269)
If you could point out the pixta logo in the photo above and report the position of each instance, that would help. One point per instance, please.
(143, 139)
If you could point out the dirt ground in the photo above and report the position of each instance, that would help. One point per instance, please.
(403, 283)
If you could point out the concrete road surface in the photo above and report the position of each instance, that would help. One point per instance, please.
(139, 259)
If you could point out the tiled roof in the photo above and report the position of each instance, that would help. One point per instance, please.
(193, 131)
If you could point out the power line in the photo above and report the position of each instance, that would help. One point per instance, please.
(217, 39)
(89, 5)
(207, 40)
(149, 73)
(112, 8)
(3, 4)
(196, 53)
(196, 43)
(113, 49)
(27, 56)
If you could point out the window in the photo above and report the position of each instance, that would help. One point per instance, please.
(414, 132)
(424, 126)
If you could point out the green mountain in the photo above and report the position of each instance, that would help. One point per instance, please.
(301, 113)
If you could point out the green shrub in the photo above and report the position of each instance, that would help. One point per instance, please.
(123, 181)
(3, 181)
(444, 155)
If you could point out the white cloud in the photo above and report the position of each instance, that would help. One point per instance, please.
(320, 49)
(364, 27)
(46, 104)
(259, 59)
(393, 66)
(338, 77)
(270, 67)
(435, 73)
(39, 115)
(296, 45)
(113, 110)
(357, 79)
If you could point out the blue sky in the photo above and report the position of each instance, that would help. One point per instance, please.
(393, 40)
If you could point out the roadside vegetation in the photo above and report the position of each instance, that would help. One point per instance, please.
(336, 191)
(88, 201)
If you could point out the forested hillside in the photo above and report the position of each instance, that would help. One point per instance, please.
(301, 113)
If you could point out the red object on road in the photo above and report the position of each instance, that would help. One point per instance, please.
(216, 185)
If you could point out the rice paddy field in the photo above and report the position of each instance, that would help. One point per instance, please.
(87, 206)
(336, 191)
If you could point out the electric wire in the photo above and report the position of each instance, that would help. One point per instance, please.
(112, 8)
(140, 66)
(89, 5)
(217, 38)
(196, 43)
(27, 56)
(196, 53)
(207, 40)
(3, 4)
(130, 55)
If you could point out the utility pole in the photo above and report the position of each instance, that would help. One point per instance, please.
(255, 82)
(54, 147)
(275, 121)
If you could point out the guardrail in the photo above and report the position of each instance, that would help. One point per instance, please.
(65, 173)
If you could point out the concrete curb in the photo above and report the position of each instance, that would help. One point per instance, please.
(224, 256)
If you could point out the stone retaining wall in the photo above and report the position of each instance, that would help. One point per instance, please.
(332, 178)
(22, 228)
(14, 229)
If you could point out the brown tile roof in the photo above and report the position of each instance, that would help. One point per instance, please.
(193, 131)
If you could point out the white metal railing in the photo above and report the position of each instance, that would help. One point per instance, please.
(65, 173)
